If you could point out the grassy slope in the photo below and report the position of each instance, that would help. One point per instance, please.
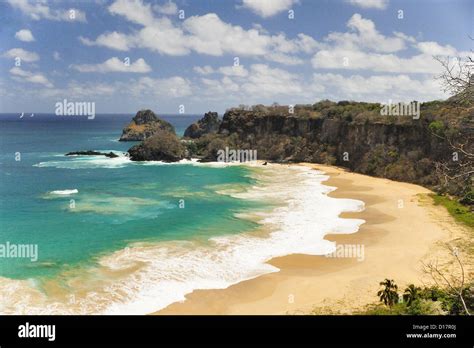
(460, 212)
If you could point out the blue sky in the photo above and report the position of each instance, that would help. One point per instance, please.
(340, 50)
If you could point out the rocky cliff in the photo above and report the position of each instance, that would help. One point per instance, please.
(434, 150)
(209, 124)
(144, 125)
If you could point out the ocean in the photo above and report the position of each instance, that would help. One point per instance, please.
(121, 237)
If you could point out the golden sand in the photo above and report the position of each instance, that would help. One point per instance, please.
(403, 229)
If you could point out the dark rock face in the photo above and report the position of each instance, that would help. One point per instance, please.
(144, 125)
(92, 153)
(145, 116)
(162, 146)
(355, 136)
(209, 124)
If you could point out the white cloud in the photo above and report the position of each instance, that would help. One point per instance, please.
(259, 82)
(113, 40)
(358, 60)
(263, 83)
(172, 87)
(204, 70)
(137, 90)
(268, 8)
(306, 43)
(376, 4)
(24, 35)
(206, 34)
(134, 10)
(89, 89)
(56, 55)
(362, 44)
(234, 70)
(24, 55)
(114, 64)
(218, 89)
(283, 58)
(27, 76)
(69, 15)
(404, 37)
(378, 88)
(363, 34)
(37, 10)
(162, 37)
(168, 8)
(238, 70)
(210, 35)
(75, 89)
(271, 82)
(434, 49)
(367, 49)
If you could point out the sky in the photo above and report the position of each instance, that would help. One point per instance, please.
(201, 55)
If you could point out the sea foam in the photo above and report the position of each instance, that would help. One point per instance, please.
(299, 225)
(152, 276)
(64, 192)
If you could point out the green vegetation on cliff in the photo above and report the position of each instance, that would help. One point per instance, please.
(436, 150)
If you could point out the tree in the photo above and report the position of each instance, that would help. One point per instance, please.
(454, 282)
(457, 77)
(458, 80)
(388, 295)
(459, 168)
(411, 294)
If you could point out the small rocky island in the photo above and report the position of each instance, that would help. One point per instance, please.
(92, 153)
(144, 125)
(159, 141)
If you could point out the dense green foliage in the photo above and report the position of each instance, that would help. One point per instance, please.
(460, 212)
(421, 301)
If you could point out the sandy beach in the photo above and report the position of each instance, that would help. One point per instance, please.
(403, 229)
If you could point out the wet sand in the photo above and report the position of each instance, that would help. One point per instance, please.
(403, 229)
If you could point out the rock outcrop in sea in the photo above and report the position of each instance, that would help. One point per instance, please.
(162, 146)
(159, 141)
(144, 125)
(92, 153)
(209, 124)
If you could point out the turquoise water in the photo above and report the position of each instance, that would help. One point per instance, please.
(118, 202)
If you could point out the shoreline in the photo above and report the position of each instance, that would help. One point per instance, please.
(402, 229)
(280, 267)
